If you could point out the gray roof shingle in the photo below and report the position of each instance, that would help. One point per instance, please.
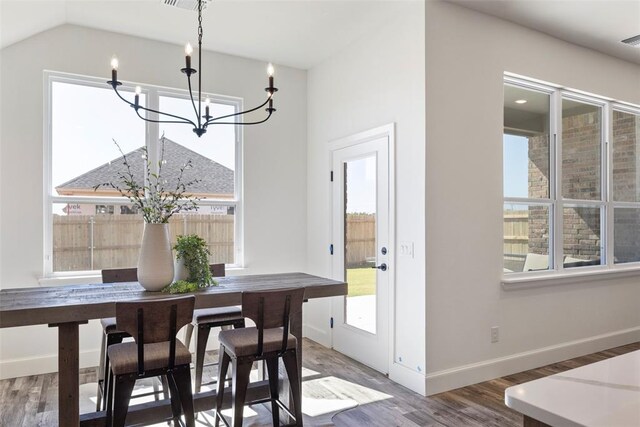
(214, 178)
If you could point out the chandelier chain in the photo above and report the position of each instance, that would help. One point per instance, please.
(199, 22)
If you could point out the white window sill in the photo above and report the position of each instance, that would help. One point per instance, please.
(81, 279)
(579, 274)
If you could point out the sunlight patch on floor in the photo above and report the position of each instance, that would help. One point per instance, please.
(306, 372)
(331, 394)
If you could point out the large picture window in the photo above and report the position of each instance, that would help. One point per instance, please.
(89, 229)
(571, 174)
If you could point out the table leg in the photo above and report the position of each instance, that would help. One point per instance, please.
(68, 373)
(295, 323)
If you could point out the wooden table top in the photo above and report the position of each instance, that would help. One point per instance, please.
(77, 303)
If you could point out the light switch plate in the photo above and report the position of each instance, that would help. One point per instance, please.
(406, 249)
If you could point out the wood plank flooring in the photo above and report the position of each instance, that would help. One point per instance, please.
(337, 391)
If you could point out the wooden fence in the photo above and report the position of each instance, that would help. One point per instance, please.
(94, 242)
(361, 240)
(516, 232)
(516, 239)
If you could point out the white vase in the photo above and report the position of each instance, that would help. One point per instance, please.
(155, 264)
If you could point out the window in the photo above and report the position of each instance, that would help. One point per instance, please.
(571, 180)
(94, 229)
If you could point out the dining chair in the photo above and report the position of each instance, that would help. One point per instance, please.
(155, 351)
(203, 319)
(269, 340)
(111, 335)
(206, 318)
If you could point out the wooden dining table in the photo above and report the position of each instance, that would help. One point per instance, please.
(68, 307)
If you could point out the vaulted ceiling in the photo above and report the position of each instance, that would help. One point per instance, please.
(299, 33)
(303, 33)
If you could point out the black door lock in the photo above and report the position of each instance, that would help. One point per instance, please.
(382, 267)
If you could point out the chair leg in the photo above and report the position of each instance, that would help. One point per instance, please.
(223, 365)
(122, 389)
(111, 339)
(188, 334)
(290, 360)
(201, 349)
(241, 372)
(175, 399)
(272, 368)
(165, 387)
(100, 395)
(107, 402)
(182, 378)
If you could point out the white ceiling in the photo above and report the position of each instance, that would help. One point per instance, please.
(299, 33)
(303, 33)
(597, 24)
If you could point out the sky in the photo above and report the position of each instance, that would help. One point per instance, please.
(516, 166)
(361, 185)
(82, 139)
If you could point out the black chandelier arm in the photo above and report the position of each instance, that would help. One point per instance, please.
(215, 119)
(240, 123)
(140, 107)
(192, 100)
(183, 122)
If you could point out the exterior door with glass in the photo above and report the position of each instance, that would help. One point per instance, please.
(361, 249)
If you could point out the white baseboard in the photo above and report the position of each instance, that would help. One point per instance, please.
(42, 365)
(317, 335)
(449, 379)
(409, 378)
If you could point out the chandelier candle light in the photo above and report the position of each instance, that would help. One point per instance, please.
(201, 122)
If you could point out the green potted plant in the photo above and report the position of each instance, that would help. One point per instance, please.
(192, 270)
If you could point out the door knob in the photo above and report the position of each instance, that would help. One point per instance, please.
(382, 267)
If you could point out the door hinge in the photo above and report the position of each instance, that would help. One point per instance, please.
(331, 322)
(331, 176)
(331, 249)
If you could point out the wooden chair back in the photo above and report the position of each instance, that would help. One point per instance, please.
(217, 270)
(151, 321)
(117, 275)
(155, 321)
(272, 309)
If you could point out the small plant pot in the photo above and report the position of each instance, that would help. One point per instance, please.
(180, 270)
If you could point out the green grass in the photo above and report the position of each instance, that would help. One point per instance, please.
(362, 281)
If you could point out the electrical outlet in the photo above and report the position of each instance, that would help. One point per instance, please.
(495, 334)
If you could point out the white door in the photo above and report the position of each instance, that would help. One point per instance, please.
(362, 248)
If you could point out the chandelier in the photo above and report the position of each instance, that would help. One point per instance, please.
(202, 121)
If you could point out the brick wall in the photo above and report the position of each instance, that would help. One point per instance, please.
(581, 180)
(626, 185)
(626, 157)
(539, 188)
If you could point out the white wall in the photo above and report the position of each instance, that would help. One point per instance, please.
(274, 161)
(466, 56)
(376, 81)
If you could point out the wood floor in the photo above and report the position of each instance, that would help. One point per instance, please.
(337, 391)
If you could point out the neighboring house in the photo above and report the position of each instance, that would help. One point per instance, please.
(213, 179)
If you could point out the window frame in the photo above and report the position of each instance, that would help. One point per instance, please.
(557, 202)
(152, 136)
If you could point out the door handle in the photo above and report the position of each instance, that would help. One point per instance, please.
(382, 267)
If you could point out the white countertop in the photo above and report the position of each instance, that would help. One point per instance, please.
(602, 394)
